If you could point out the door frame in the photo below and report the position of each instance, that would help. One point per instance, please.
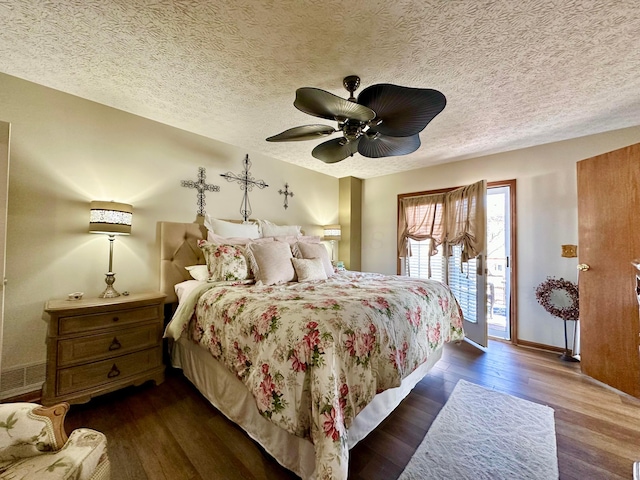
(5, 155)
(513, 260)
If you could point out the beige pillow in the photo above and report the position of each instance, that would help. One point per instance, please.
(271, 262)
(293, 239)
(314, 250)
(309, 269)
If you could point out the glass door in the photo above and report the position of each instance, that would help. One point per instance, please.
(499, 262)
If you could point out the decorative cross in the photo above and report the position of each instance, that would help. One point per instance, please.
(201, 186)
(247, 182)
(286, 194)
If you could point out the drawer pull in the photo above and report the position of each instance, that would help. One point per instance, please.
(114, 372)
(115, 345)
(115, 319)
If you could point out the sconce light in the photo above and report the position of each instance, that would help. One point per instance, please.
(110, 218)
(331, 234)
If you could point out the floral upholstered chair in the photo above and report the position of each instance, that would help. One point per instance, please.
(34, 446)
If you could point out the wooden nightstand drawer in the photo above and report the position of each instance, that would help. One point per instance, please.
(98, 347)
(75, 379)
(84, 323)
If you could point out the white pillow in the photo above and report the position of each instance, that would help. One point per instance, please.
(314, 250)
(184, 288)
(219, 239)
(309, 269)
(230, 229)
(198, 272)
(271, 262)
(269, 229)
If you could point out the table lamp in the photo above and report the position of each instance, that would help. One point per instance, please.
(110, 218)
(331, 234)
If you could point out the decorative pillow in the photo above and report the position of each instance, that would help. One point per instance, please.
(271, 262)
(198, 272)
(314, 250)
(230, 229)
(269, 229)
(309, 269)
(224, 262)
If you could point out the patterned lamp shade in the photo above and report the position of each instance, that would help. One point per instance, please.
(112, 218)
(332, 232)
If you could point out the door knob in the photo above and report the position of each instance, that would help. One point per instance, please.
(583, 267)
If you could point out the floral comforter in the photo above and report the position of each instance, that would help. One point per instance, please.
(315, 354)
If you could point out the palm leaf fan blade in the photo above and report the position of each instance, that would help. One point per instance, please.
(404, 111)
(377, 145)
(335, 150)
(320, 103)
(305, 132)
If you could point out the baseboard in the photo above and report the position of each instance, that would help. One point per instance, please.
(539, 346)
(22, 381)
(34, 396)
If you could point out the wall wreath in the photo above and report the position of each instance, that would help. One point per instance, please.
(545, 292)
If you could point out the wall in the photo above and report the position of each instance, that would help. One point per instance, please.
(66, 151)
(546, 209)
(350, 212)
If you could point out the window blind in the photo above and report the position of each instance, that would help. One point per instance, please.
(462, 284)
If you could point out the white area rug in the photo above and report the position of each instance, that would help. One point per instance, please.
(484, 434)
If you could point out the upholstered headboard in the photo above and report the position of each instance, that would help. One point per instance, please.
(178, 249)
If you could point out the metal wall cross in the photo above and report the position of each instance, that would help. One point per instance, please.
(247, 182)
(201, 186)
(286, 194)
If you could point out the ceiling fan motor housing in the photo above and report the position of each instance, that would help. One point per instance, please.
(352, 129)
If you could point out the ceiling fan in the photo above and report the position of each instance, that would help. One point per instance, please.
(384, 121)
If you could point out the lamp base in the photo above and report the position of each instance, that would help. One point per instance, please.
(110, 292)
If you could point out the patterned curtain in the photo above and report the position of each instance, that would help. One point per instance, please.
(465, 219)
(456, 217)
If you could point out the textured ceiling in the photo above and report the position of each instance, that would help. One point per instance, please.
(515, 73)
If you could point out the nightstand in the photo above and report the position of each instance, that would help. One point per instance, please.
(99, 345)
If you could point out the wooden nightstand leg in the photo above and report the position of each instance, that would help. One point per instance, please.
(159, 378)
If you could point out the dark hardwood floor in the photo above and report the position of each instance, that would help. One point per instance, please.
(171, 432)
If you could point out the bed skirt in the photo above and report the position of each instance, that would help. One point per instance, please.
(229, 395)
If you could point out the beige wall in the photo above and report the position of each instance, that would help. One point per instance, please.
(351, 223)
(546, 208)
(66, 151)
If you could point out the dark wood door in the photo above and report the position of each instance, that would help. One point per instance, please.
(609, 239)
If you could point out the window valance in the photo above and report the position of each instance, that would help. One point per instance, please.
(452, 218)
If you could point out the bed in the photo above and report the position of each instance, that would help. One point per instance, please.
(306, 368)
